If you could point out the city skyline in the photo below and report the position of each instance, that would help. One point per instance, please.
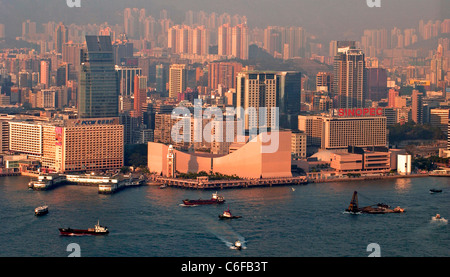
(307, 14)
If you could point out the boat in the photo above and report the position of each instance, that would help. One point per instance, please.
(215, 199)
(435, 190)
(41, 210)
(438, 218)
(227, 215)
(163, 186)
(97, 230)
(238, 245)
(379, 208)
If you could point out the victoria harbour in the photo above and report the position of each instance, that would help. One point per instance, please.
(285, 221)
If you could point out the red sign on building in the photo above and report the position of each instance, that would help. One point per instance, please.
(361, 112)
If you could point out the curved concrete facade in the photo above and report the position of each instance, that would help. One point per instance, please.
(246, 162)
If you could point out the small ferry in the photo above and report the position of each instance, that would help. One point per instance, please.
(97, 230)
(227, 215)
(215, 199)
(41, 210)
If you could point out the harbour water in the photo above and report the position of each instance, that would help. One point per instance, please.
(307, 221)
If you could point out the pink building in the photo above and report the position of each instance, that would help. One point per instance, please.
(246, 162)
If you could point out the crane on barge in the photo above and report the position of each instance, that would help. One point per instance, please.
(379, 208)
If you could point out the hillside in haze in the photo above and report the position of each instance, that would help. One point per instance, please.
(328, 19)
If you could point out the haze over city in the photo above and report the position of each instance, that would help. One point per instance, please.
(327, 19)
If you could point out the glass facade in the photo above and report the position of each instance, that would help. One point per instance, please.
(98, 88)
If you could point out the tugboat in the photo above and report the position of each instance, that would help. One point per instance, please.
(227, 214)
(97, 230)
(41, 210)
(435, 191)
(215, 199)
(238, 245)
(379, 208)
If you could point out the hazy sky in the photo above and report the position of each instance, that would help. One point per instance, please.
(328, 19)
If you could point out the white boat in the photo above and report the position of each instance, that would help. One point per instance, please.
(41, 210)
(238, 245)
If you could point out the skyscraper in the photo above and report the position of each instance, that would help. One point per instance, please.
(269, 89)
(140, 94)
(61, 37)
(45, 73)
(350, 78)
(417, 107)
(177, 79)
(160, 79)
(98, 86)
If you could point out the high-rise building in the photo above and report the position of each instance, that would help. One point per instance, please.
(126, 76)
(72, 145)
(61, 37)
(340, 132)
(140, 94)
(350, 78)
(376, 83)
(269, 89)
(161, 80)
(177, 79)
(45, 73)
(223, 73)
(233, 41)
(417, 107)
(324, 81)
(98, 86)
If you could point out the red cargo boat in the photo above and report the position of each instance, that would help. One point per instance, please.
(97, 230)
(215, 199)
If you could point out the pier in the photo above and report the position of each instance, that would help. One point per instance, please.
(204, 183)
(105, 184)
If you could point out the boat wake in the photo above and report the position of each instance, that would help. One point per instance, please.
(438, 220)
(183, 205)
(228, 237)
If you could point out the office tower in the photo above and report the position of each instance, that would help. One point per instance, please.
(350, 78)
(177, 79)
(161, 80)
(288, 97)
(45, 73)
(140, 94)
(376, 83)
(98, 85)
(267, 89)
(126, 76)
(223, 73)
(417, 107)
(61, 37)
(122, 49)
(62, 75)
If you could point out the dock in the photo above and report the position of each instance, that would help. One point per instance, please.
(105, 184)
(202, 183)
